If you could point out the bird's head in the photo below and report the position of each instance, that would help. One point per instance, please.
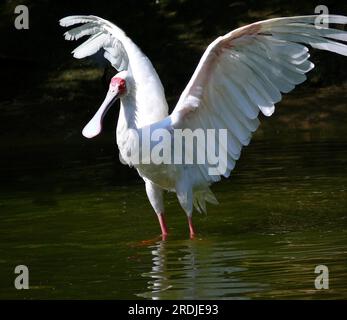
(117, 89)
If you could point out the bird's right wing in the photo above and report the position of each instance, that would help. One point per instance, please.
(123, 54)
(103, 34)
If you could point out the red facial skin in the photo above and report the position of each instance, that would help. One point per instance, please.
(118, 82)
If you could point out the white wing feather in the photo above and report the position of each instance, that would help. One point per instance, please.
(123, 54)
(246, 71)
(101, 37)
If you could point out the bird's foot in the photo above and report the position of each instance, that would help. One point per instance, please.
(150, 242)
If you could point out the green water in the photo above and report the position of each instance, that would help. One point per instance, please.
(83, 226)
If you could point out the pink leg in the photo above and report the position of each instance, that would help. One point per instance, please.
(163, 226)
(191, 228)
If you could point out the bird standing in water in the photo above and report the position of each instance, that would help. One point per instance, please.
(239, 75)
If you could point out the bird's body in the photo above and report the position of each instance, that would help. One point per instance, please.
(240, 74)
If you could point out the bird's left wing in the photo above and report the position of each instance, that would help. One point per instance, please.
(246, 71)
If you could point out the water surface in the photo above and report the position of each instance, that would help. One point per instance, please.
(83, 226)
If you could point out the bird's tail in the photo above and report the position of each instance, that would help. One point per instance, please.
(203, 196)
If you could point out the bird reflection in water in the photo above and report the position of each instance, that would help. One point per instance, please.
(199, 269)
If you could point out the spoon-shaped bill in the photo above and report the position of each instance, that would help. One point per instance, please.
(94, 126)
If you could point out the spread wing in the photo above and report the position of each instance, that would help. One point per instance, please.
(246, 71)
(103, 34)
(123, 54)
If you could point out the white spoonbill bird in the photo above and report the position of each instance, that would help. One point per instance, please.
(239, 74)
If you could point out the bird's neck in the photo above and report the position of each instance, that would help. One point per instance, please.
(126, 123)
(127, 113)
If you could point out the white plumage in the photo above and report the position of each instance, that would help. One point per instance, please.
(239, 75)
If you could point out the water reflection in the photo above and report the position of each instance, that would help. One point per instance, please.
(198, 269)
